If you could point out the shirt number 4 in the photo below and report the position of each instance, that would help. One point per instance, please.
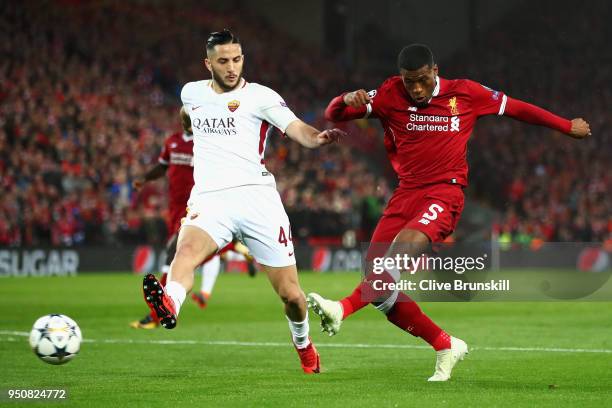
(284, 238)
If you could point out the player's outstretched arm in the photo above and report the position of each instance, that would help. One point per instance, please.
(577, 128)
(310, 137)
(348, 106)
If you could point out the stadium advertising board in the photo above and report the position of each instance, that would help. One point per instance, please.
(39, 262)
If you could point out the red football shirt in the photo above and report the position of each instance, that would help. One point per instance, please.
(177, 154)
(429, 144)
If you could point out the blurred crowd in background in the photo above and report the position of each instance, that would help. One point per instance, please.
(88, 93)
(546, 185)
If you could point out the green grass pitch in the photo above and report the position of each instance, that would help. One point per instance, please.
(237, 352)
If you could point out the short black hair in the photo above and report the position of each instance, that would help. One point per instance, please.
(221, 37)
(415, 56)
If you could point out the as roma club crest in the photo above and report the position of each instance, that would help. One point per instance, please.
(233, 105)
(452, 104)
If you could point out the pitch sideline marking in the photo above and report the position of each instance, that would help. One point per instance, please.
(9, 333)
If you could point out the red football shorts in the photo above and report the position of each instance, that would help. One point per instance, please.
(434, 210)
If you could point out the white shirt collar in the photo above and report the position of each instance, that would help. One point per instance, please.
(187, 138)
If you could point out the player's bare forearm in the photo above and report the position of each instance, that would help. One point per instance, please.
(156, 172)
(526, 112)
(310, 137)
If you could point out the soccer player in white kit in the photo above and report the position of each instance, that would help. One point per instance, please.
(234, 194)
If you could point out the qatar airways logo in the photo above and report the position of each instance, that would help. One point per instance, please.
(433, 123)
(217, 126)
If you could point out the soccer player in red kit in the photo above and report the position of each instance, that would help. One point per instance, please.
(176, 159)
(427, 122)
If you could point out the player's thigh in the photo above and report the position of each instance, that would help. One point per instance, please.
(385, 232)
(194, 245)
(265, 228)
(438, 212)
(285, 282)
(207, 226)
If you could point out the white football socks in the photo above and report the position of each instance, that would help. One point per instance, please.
(299, 332)
(177, 293)
(210, 271)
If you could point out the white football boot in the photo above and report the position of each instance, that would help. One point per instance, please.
(330, 312)
(446, 359)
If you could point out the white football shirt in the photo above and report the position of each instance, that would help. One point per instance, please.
(230, 132)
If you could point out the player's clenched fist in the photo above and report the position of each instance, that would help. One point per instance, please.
(580, 128)
(357, 98)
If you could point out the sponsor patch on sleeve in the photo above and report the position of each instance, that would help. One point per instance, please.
(494, 94)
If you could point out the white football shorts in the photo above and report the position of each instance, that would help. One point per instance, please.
(253, 213)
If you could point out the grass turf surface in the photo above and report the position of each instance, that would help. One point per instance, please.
(224, 365)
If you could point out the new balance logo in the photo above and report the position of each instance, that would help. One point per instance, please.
(412, 108)
(432, 214)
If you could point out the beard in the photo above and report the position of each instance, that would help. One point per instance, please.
(222, 84)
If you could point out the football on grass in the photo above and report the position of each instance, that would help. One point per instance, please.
(55, 338)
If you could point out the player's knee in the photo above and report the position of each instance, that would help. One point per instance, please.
(188, 253)
(409, 241)
(293, 297)
(411, 236)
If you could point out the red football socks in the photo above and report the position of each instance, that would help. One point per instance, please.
(405, 314)
(408, 316)
(365, 294)
(355, 301)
